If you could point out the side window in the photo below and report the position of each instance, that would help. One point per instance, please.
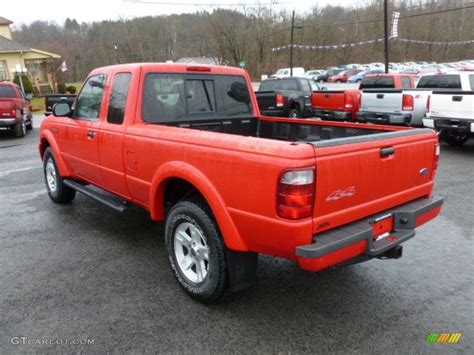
(233, 98)
(406, 83)
(163, 98)
(200, 96)
(118, 98)
(90, 99)
(305, 85)
(471, 80)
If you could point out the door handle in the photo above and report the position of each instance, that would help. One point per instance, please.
(386, 152)
(90, 134)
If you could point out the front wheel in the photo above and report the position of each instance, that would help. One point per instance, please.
(57, 190)
(196, 251)
(453, 138)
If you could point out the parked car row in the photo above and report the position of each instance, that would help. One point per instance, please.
(444, 102)
(354, 73)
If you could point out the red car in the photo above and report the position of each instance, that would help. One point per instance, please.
(15, 109)
(189, 144)
(343, 76)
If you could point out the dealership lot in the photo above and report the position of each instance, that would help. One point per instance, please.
(83, 271)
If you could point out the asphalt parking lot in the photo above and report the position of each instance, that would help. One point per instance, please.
(82, 271)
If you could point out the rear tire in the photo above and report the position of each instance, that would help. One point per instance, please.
(57, 191)
(20, 129)
(453, 138)
(196, 251)
(294, 113)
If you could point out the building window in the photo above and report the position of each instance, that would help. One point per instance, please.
(4, 70)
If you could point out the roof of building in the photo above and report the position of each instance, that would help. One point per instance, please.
(197, 60)
(8, 45)
(5, 21)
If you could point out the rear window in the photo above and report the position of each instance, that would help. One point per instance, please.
(440, 82)
(278, 84)
(378, 82)
(7, 91)
(175, 97)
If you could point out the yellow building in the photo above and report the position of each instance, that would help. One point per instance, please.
(14, 55)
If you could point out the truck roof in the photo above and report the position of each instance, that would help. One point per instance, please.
(174, 67)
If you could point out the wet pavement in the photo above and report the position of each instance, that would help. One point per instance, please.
(81, 277)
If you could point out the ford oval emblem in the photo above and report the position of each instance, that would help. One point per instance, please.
(424, 171)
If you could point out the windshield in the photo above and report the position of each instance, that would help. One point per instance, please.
(7, 91)
(274, 85)
(378, 82)
(440, 82)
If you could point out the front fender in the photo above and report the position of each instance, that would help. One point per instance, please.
(48, 139)
(196, 178)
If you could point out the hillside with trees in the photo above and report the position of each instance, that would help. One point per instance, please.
(249, 34)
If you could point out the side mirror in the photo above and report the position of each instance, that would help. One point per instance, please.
(323, 88)
(62, 109)
(97, 84)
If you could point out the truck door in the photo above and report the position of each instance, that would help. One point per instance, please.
(79, 137)
(111, 155)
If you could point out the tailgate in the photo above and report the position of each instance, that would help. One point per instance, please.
(6, 107)
(381, 101)
(452, 104)
(360, 176)
(328, 100)
(266, 100)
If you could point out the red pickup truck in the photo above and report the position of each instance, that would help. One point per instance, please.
(343, 105)
(15, 109)
(188, 144)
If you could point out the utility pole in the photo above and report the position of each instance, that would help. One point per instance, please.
(385, 23)
(291, 44)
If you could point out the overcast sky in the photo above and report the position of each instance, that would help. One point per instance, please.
(27, 11)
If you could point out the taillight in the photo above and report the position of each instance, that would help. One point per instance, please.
(407, 103)
(14, 112)
(428, 103)
(348, 101)
(435, 161)
(279, 100)
(296, 194)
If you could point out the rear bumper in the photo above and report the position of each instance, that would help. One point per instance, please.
(333, 115)
(357, 239)
(438, 123)
(6, 122)
(385, 118)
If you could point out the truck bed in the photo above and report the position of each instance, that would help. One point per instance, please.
(296, 130)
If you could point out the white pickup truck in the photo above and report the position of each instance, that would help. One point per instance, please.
(407, 106)
(452, 112)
